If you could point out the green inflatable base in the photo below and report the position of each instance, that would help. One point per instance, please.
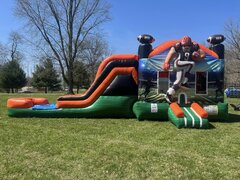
(222, 113)
(151, 111)
(104, 107)
(189, 121)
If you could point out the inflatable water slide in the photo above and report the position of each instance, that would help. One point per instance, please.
(135, 86)
(112, 94)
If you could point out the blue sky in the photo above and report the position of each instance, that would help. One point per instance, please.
(8, 22)
(165, 20)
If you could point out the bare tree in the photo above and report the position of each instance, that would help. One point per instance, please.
(232, 53)
(3, 54)
(232, 30)
(95, 49)
(64, 25)
(12, 50)
(15, 40)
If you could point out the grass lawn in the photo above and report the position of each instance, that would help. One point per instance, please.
(115, 148)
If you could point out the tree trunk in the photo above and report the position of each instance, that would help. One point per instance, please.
(70, 89)
(12, 89)
(46, 90)
(70, 82)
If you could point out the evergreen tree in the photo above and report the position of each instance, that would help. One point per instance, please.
(12, 76)
(45, 76)
(80, 76)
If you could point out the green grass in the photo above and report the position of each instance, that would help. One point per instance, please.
(54, 148)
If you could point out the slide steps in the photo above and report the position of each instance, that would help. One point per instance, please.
(188, 117)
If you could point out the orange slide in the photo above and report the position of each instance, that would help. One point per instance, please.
(84, 102)
(104, 63)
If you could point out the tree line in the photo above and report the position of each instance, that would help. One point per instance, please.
(46, 75)
(68, 36)
(64, 29)
(232, 54)
(69, 40)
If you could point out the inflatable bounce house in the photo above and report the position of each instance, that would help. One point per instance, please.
(135, 86)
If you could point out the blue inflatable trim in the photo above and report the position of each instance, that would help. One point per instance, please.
(44, 107)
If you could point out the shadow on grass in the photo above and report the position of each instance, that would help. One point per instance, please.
(233, 118)
(211, 126)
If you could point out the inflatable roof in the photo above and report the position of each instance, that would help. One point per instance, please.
(168, 44)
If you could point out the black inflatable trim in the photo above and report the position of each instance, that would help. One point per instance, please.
(122, 85)
(103, 75)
